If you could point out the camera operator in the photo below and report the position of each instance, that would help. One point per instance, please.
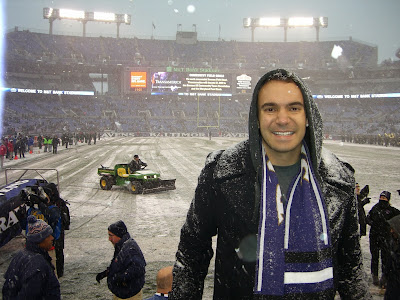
(44, 207)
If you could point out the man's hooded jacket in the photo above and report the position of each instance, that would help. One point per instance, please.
(226, 203)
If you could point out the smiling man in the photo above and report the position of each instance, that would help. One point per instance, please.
(283, 208)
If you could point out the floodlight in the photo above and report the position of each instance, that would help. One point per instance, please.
(300, 22)
(127, 19)
(247, 22)
(323, 22)
(84, 17)
(72, 14)
(269, 22)
(47, 13)
(285, 23)
(123, 18)
(103, 16)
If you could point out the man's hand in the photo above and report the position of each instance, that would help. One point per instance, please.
(101, 275)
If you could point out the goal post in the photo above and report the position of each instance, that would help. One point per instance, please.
(208, 112)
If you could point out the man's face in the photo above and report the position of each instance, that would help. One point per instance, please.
(282, 120)
(47, 243)
(383, 198)
(136, 158)
(113, 238)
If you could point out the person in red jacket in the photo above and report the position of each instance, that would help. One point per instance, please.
(10, 147)
(3, 152)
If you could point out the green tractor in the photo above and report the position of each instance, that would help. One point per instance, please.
(139, 182)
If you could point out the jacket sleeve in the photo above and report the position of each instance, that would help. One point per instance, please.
(195, 246)
(369, 217)
(352, 283)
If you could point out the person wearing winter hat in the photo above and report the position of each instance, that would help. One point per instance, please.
(126, 273)
(30, 274)
(379, 235)
(392, 270)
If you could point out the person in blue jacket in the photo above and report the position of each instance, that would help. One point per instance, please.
(30, 274)
(126, 273)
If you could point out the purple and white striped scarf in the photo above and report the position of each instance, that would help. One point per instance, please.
(293, 246)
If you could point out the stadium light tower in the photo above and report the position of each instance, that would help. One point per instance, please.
(58, 14)
(253, 23)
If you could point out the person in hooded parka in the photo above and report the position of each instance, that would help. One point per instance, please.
(282, 206)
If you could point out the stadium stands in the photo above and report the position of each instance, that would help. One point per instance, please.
(52, 62)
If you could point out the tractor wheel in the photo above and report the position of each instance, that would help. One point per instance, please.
(105, 183)
(136, 187)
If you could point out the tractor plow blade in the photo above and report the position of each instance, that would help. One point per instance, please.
(165, 185)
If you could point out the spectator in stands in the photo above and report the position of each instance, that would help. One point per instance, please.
(164, 284)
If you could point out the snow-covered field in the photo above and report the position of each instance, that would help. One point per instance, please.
(154, 220)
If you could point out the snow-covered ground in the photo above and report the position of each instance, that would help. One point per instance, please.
(154, 220)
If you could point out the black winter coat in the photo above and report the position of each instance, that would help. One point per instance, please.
(377, 219)
(127, 269)
(224, 204)
(31, 276)
(392, 271)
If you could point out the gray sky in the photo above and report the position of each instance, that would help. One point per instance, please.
(375, 22)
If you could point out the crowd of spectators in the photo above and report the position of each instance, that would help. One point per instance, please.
(33, 46)
(362, 121)
(37, 60)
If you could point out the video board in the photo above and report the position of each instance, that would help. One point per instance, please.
(191, 84)
(243, 84)
(138, 81)
(186, 82)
